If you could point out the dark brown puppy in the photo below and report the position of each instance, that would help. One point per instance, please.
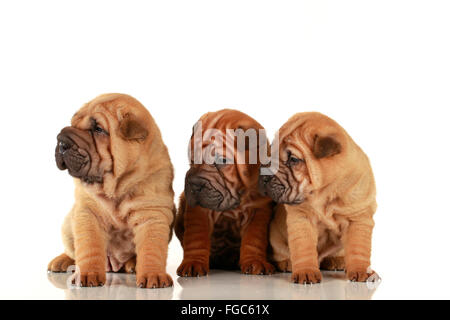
(222, 221)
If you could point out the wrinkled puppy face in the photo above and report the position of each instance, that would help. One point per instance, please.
(291, 184)
(225, 171)
(214, 184)
(103, 133)
(83, 149)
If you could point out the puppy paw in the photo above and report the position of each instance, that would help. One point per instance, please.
(307, 276)
(153, 280)
(60, 263)
(284, 266)
(130, 266)
(257, 267)
(361, 274)
(192, 269)
(91, 279)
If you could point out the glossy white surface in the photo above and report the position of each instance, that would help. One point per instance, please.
(217, 286)
(31, 281)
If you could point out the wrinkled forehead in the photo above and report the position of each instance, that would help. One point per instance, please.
(107, 111)
(238, 138)
(289, 146)
(226, 131)
(89, 112)
(291, 130)
(291, 140)
(214, 141)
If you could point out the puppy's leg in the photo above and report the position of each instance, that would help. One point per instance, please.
(279, 241)
(90, 248)
(196, 243)
(151, 233)
(60, 263)
(302, 237)
(357, 244)
(253, 257)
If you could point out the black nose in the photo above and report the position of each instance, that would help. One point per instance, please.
(63, 146)
(266, 178)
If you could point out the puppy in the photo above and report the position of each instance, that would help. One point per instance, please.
(124, 206)
(325, 192)
(222, 220)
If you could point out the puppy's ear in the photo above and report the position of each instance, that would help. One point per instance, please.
(325, 147)
(131, 129)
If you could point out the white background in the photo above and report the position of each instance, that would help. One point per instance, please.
(379, 68)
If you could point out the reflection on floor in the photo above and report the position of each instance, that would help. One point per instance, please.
(221, 285)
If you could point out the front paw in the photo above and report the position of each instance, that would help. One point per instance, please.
(191, 268)
(91, 279)
(257, 267)
(307, 276)
(361, 274)
(153, 280)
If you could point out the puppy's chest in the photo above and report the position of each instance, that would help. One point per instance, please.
(115, 212)
(120, 238)
(328, 217)
(236, 219)
(334, 223)
(226, 235)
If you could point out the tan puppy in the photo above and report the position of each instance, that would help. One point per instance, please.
(123, 193)
(326, 194)
(222, 219)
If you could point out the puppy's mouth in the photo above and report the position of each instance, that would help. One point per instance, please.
(76, 160)
(199, 191)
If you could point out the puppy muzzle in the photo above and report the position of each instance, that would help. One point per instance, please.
(72, 154)
(199, 191)
(270, 185)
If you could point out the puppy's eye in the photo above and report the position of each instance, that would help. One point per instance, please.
(292, 161)
(96, 128)
(221, 161)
